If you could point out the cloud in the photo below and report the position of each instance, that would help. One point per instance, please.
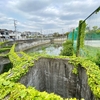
(45, 14)
(5, 21)
(31, 5)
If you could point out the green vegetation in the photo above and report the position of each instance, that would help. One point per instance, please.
(95, 29)
(4, 49)
(91, 56)
(92, 34)
(10, 90)
(73, 38)
(97, 60)
(1, 43)
(67, 48)
(92, 71)
(88, 52)
(97, 10)
(81, 36)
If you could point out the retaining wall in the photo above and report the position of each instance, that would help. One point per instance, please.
(55, 75)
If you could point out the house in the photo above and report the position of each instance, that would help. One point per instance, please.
(36, 35)
(26, 34)
(4, 34)
(9, 35)
(18, 35)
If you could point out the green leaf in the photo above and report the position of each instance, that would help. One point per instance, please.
(6, 83)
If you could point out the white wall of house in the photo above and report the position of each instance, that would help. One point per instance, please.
(18, 35)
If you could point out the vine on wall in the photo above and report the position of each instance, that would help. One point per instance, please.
(10, 90)
(81, 36)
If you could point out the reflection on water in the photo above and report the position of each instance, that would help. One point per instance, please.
(53, 49)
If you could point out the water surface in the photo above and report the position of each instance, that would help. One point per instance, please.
(52, 49)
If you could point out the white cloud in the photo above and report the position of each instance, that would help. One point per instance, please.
(45, 14)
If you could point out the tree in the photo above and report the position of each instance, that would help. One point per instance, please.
(56, 34)
(95, 28)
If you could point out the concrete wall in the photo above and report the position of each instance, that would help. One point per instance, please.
(30, 44)
(23, 45)
(55, 75)
(1, 68)
(3, 62)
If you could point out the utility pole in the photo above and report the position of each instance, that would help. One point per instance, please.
(41, 31)
(15, 25)
(62, 35)
(41, 35)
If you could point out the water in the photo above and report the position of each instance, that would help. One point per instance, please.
(52, 49)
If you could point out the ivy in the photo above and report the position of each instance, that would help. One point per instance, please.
(10, 90)
(97, 10)
(1, 43)
(4, 49)
(93, 73)
(67, 48)
(16, 91)
(81, 36)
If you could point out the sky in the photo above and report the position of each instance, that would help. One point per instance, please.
(45, 16)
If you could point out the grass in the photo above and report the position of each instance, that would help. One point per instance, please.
(92, 51)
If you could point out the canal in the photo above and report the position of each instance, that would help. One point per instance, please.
(50, 49)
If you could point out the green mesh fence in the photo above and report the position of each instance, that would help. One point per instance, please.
(93, 27)
(92, 35)
(92, 38)
(75, 34)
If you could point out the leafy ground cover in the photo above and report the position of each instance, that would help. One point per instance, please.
(10, 89)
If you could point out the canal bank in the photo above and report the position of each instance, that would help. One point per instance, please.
(26, 46)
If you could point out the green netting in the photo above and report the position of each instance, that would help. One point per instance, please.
(93, 27)
(92, 36)
(75, 34)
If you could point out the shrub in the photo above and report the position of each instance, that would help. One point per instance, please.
(97, 60)
(67, 48)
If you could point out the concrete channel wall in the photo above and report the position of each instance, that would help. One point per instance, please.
(3, 62)
(29, 44)
(55, 75)
(23, 45)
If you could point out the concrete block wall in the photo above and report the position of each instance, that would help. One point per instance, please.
(55, 75)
